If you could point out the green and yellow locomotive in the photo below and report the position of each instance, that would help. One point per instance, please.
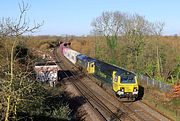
(124, 83)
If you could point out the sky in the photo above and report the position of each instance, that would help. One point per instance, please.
(74, 17)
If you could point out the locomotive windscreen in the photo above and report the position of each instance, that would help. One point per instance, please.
(127, 79)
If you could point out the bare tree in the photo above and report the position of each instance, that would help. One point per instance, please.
(109, 25)
(133, 28)
(11, 95)
(136, 28)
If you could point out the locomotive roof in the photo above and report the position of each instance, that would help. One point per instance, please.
(109, 68)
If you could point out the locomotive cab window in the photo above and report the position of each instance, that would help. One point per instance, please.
(127, 80)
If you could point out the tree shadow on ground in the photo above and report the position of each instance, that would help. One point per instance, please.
(74, 104)
(55, 101)
(62, 74)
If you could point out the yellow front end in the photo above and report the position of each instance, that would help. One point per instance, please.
(91, 67)
(127, 90)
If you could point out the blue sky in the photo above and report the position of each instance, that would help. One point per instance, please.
(73, 17)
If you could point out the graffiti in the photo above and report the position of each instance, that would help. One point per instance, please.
(46, 73)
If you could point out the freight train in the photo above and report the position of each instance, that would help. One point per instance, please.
(124, 83)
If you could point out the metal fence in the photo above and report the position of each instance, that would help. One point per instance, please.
(154, 83)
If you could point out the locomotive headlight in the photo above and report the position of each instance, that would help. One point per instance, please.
(122, 89)
(135, 91)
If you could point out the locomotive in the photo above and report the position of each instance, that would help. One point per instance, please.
(124, 83)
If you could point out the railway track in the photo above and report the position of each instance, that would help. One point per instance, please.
(106, 109)
(104, 112)
(138, 108)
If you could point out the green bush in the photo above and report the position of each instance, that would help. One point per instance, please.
(61, 112)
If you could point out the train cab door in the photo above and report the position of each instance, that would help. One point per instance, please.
(91, 67)
(115, 81)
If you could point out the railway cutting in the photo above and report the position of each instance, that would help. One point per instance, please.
(106, 106)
